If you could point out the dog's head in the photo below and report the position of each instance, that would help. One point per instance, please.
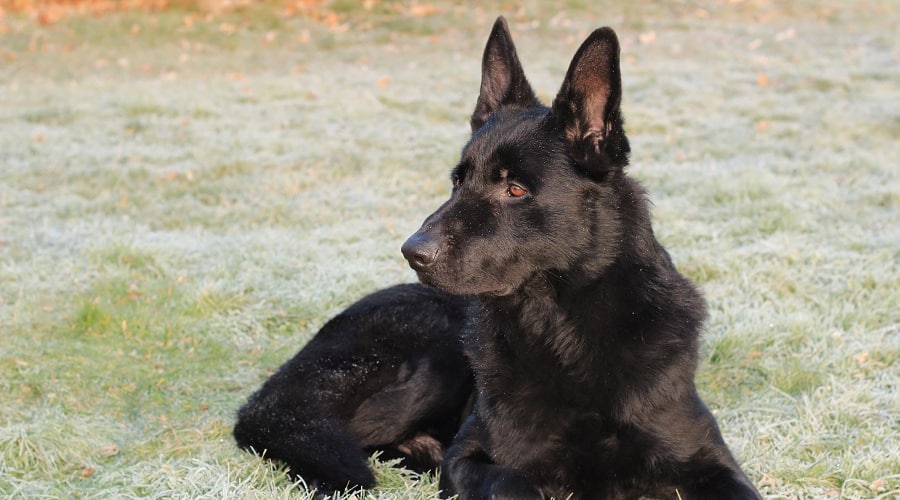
(537, 190)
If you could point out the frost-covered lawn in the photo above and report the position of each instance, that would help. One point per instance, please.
(185, 199)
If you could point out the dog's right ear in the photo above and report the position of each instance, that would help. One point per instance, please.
(503, 81)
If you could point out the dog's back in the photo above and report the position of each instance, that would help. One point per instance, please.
(387, 374)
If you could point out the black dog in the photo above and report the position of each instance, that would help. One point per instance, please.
(387, 374)
(584, 336)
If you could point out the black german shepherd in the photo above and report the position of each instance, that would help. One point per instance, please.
(581, 333)
(583, 338)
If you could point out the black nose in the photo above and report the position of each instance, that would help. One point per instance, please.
(420, 251)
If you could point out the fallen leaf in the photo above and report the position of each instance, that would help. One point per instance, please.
(109, 451)
(419, 10)
(785, 35)
(768, 480)
(647, 38)
(227, 29)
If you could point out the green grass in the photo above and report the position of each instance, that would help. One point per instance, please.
(182, 205)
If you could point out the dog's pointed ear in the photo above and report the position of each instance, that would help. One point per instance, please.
(587, 106)
(503, 81)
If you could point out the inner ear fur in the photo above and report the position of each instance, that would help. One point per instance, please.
(587, 106)
(503, 82)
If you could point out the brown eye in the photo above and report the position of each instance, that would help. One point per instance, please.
(515, 191)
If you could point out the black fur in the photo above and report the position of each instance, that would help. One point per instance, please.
(584, 335)
(387, 374)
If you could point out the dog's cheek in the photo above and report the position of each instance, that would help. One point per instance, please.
(546, 233)
(603, 229)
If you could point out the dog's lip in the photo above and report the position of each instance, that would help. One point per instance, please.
(429, 280)
(426, 279)
(502, 292)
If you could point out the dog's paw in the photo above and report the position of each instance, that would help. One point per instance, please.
(513, 487)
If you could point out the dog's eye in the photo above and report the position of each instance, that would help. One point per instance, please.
(515, 191)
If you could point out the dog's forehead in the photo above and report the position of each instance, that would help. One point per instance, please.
(511, 141)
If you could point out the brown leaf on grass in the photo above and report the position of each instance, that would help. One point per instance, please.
(87, 472)
(861, 358)
(134, 293)
(384, 81)
(110, 450)
(787, 34)
(768, 480)
(762, 80)
(47, 12)
(647, 38)
(228, 29)
(421, 10)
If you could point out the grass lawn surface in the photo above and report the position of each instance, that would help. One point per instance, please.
(186, 197)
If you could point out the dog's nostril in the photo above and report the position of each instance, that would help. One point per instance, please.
(420, 252)
(421, 261)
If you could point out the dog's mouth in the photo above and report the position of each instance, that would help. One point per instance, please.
(434, 267)
(457, 286)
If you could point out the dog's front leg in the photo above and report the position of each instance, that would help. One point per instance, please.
(469, 472)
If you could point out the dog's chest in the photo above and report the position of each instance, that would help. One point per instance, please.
(535, 353)
(526, 393)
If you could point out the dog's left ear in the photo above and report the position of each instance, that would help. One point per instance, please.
(503, 81)
(587, 106)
